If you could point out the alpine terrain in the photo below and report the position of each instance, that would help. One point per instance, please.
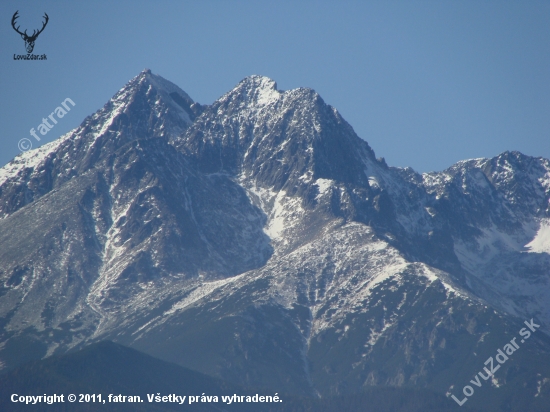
(259, 240)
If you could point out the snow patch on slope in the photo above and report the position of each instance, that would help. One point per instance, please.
(31, 159)
(286, 212)
(323, 185)
(199, 293)
(541, 241)
(491, 243)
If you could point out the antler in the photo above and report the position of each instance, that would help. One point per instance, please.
(15, 16)
(35, 35)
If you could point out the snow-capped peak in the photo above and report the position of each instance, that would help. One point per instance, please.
(148, 106)
(256, 91)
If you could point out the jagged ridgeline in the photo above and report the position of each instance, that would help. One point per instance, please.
(259, 241)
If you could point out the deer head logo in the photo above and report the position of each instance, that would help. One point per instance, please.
(29, 40)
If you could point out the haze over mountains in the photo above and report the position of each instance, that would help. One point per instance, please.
(259, 240)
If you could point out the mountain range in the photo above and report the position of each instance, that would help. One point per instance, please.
(260, 241)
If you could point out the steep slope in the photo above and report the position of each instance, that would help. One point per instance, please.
(148, 106)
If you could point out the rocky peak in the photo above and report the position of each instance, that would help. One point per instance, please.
(279, 139)
(148, 106)
(253, 91)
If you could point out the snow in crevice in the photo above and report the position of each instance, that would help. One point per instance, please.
(375, 335)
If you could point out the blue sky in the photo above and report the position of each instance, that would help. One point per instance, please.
(426, 83)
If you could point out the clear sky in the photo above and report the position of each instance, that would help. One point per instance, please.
(426, 83)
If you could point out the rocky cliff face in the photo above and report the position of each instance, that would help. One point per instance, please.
(260, 240)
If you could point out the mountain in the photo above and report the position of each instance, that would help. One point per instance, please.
(259, 240)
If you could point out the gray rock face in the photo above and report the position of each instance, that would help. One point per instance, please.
(260, 240)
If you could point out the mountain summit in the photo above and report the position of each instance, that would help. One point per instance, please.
(260, 241)
(148, 106)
